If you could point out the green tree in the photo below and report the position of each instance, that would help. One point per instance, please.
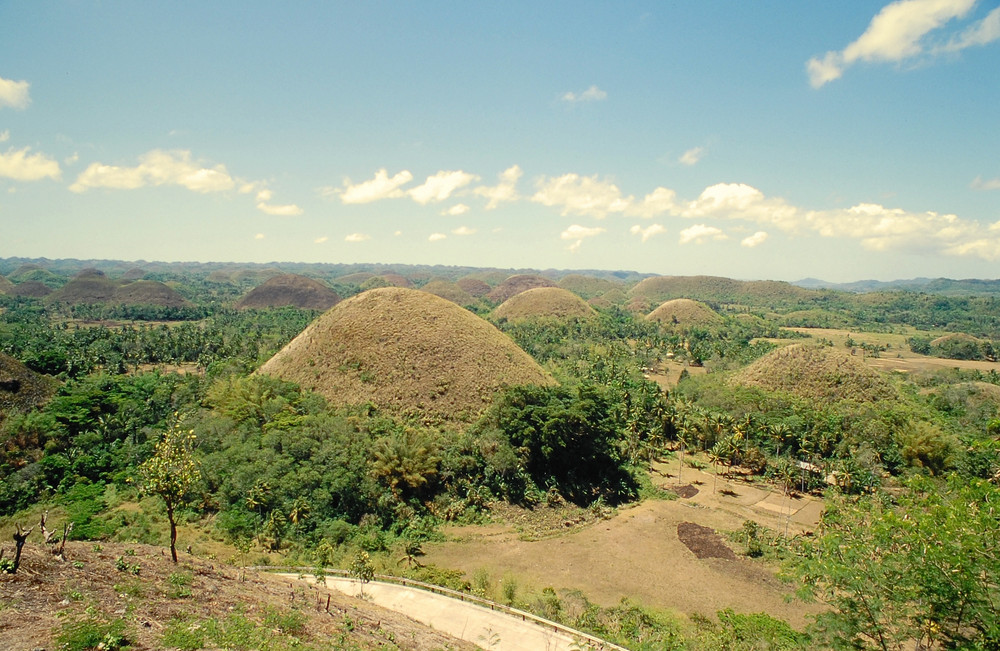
(171, 473)
(362, 569)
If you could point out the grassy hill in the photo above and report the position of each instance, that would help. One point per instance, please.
(20, 388)
(406, 351)
(517, 284)
(543, 302)
(587, 287)
(290, 290)
(449, 291)
(149, 292)
(684, 312)
(714, 289)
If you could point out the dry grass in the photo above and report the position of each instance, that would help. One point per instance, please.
(450, 291)
(290, 290)
(20, 388)
(5, 285)
(684, 312)
(954, 338)
(723, 290)
(88, 286)
(149, 292)
(543, 302)
(587, 287)
(356, 278)
(46, 594)
(517, 284)
(821, 372)
(31, 289)
(408, 352)
(474, 286)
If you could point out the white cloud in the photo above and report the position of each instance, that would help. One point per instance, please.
(464, 230)
(71, 159)
(374, 189)
(741, 201)
(456, 210)
(979, 183)
(19, 165)
(357, 237)
(592, 94)
(258, 236)
(648, 232)
(436, 237)
(440, 186)
(156, 167)
(699, 233)
(321, 240)
(5, 135)
(506, 190)
(756, 239)
(654, 204)
(896, 33)
(985, 31)
(581, 195)
(14, 93)
(264, 195)
(286, 210)
(692, 156)
(578, 234)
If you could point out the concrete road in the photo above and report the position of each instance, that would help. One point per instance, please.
(483, 627)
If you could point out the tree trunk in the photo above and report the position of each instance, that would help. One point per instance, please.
(173, 532)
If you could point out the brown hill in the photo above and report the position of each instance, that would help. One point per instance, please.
(396, 280)
(5, 285)
(355, 279)
(474, 286)
(954, 338)
(820, 372)
(450, 291)
(408, 352)
(220, 276)
(658, 289)
(31, 289)
(149, 292)
(543, 302)
(684, 312)
(21, 389)
(135, 273)
(587, 287)
(609, 298)
(88, 286)
(516, 285)
(290, 290)
(254, 276)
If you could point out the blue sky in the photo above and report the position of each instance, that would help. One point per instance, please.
(776, 140)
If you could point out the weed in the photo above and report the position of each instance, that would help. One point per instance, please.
(94, 631)
(130, 589)
(124, 566)
(180, 585)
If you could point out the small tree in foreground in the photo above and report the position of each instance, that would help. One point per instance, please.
(362, 569)
(171, 473)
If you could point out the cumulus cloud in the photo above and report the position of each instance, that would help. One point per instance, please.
(157, 167)
(357, 237)
(19, 165)
(658, 202)
(286, 210)
(741, 201)
(506, 190)
(264, 195)
(14, 93)
(578, 233)
(648, 232)
(700, 233)
(592, 94)
(440, 186)
(382, 186)
(581, 195)
(756, 239)
(456, 210)
(5, 135)
(321, 240)
(258, 236)
(436, 237)
(979, 183)
(900, 31)
(464, 230)
(691, 156)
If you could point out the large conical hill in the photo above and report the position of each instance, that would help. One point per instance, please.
(684, 312)
(149, 292)
(88, 286)
(21, 388)
(517, 284)
(552, 302)
(450, 291)
(820, 372)
(290, 290)
(408, 352)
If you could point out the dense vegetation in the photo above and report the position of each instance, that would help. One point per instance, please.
(913, 459)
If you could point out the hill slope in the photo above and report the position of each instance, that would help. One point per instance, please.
(543, 302)
(517, 284)
(408, 352)
(290, 290)
(21, 388)
(684, 312)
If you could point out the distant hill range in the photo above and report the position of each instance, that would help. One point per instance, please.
(944, 286)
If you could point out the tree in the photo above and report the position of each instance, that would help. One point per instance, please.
(924, 570)
(362, 569)
(171, 474)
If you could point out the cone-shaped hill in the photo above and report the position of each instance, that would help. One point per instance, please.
(450, 291)
(516, 285)
(819, 372)
(408, 352)
(5, 285)
(722, 290)
(21, 388)
(587, 287)
(88, 286)
(30, 289)
(474, 286)
(149, 292)
(552, 302)
(290, 290)
(684, 312)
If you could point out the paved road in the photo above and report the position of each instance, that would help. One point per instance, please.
(484, 627)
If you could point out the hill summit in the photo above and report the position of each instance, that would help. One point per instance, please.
(543, 302)
(406, 351)
(290, 290)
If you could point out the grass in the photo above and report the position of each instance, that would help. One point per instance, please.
(684, 312)
(543, 302)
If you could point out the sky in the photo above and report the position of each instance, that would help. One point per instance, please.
(756, 140)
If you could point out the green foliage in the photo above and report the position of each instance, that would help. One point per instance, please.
(171, 474)
(93, 630)
(750, 632)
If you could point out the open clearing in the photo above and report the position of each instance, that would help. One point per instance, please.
(638, 554)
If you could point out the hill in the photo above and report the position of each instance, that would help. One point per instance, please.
(543, 302)
(88, 286)
(714, 289)
(408, 352)
(474, 286)
(684, 312)
(819, 372)
(290, 290)
(450, 291)
(149, 292)
(587, 287)
(517, 284)
(87, 602)
(5, 285)
(21, 389)
(31, 289)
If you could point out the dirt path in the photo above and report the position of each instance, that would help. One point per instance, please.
(481, 626)
(637, 554)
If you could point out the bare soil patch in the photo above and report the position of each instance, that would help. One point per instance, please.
(703, 541)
